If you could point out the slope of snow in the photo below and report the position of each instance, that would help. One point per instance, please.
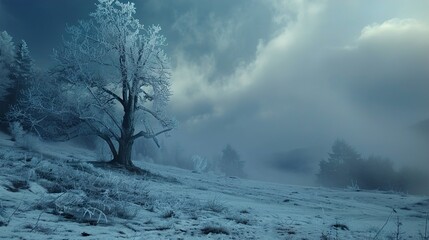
(207, 206)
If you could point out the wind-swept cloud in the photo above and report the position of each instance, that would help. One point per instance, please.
(385, 70)
(303, 88)
(395, 29)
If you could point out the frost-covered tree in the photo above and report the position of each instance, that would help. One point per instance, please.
(111, 79)
(7, 55)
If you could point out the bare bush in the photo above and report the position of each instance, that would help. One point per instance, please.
(239, 219)
(214, 205)
(200, 164)
(22, 138)
(214, 230)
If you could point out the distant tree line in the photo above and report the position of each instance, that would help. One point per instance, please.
(345, 167)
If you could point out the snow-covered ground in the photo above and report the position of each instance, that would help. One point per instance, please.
(187, 205)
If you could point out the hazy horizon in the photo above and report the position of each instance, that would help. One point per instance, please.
(272, 76)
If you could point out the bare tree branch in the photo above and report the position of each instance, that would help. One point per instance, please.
(148, 135)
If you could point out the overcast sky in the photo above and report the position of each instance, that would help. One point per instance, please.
(270, 76)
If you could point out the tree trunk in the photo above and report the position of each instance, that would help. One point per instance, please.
(123, 157)
(126, 141)
(129, 97)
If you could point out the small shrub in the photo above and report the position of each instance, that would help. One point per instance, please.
(22, 138)
(17, 131)
(285, 228)
(163, 228)
(92, 213)
(200, 164)
(340, 226)
(354, 186)
(239, 219)
(245, 211)
(17, 184)
(214, 230)
(168, 214)
(214, 205)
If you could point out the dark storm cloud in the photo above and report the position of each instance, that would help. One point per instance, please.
(227, 31)
(41, 23)
(271, 76)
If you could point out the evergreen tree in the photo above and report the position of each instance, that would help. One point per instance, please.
(7, 55)
(230, 162)
(22, 72)
(342, 166)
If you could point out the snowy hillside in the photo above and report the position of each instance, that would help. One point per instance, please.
(53, 193)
